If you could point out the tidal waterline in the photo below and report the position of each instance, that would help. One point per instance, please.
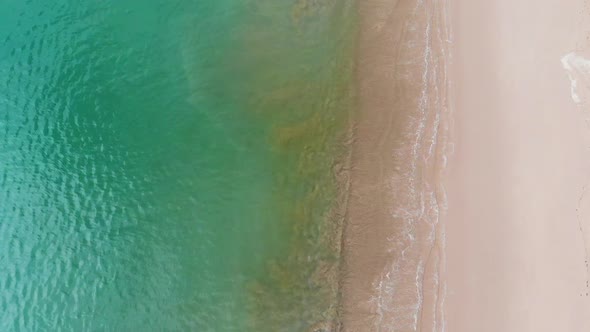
(169, 165)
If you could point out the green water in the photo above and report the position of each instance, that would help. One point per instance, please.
(169, 165)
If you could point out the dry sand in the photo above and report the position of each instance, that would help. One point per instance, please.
(517, 218)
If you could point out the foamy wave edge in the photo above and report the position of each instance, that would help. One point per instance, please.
(423, 242)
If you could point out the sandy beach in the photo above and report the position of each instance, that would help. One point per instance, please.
(497, 238)
(518, 219)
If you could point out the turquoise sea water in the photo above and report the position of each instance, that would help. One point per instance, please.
(169, 165)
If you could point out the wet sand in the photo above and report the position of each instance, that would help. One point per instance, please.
(392, 261)
(518, 219)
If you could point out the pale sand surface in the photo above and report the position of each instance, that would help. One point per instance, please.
(517, 220)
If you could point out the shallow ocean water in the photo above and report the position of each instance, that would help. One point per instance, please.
(169, 165)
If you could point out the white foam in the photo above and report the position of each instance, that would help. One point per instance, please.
(578, 71)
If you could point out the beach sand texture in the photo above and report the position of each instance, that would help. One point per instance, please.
(498, 239)
(518, 222)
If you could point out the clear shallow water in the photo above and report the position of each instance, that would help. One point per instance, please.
(168, 165)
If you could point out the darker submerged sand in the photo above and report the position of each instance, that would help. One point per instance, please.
(391, 243)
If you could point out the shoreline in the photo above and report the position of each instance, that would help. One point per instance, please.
(392, 244)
